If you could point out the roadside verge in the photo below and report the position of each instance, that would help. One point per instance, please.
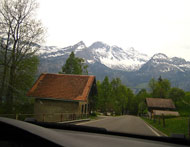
(154, 129)
(75, 121)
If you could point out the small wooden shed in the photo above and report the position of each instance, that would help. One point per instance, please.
(160, 106)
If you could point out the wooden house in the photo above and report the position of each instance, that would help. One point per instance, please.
(160, 106)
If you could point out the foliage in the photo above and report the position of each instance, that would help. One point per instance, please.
(104, 95)
(20, 34)
(74, 65)
(22, 106)
(176, 94)
(183, 108)
(187, 98)
(152, 85)
(162, 88)
(140, 97)
(120, 96)
(114, 97)
(117, 98)
(159, 88)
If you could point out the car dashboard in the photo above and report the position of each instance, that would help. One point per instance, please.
(19, 133)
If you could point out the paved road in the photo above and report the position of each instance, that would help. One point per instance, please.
(126, 123)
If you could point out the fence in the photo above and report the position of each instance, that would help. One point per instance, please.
(160, 119)
(48, 117)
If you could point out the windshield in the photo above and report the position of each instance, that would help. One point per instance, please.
(120, 65)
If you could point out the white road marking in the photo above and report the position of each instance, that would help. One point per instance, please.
(153, 130)
(91, 121)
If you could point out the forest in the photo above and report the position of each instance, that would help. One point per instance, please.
(118, 99)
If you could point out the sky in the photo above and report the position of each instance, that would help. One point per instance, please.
(150, 26)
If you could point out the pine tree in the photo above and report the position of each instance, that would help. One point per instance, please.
(74, 65)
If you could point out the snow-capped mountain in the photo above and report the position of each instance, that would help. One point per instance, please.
(113, 57)
(133, 68)
(53, 51)
(117, 58)
(162, 63)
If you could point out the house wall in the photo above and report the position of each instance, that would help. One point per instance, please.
(83, 107)
(56, 110)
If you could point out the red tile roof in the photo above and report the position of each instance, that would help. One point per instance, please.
(62, 86)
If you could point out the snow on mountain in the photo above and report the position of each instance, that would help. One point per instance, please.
(53, 51)
(115, 57)
(48, 49)
(160, 56)
(162, 63)
(113, 61)
(79, 46)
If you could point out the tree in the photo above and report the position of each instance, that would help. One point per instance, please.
(120, 96)
(142, 107)
(187, 98)
(176, 94)
(152, 85)
(163, 87)
(160, 88)
(132, 104)
(20, 34)
(114, 97)
(74, 65)
(98, 97)
(141, 96)
(117, 96)
(106, 95)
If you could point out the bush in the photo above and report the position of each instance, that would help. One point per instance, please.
(23, 106)
(93, 114)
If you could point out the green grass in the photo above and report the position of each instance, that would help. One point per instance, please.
(183, 109)
(177, 125)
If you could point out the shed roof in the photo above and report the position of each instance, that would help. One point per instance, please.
(62, 86)
(160, 103)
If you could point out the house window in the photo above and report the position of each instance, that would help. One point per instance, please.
(88, 108)
(82, 109)
(85, 109)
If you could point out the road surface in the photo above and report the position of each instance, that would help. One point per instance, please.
(126, 123)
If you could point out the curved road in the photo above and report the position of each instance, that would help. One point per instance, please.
(126, 123)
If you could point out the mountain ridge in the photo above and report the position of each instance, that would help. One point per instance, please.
(134, 68)
(113, 57)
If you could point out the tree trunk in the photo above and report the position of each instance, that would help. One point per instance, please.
(4, 77)
(10, 90)
(2, 90)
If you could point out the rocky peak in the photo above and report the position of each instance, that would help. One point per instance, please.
(80, 45)
(160, 56)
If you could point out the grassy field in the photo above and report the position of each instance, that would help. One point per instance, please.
(183, 109)
(177, 125)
